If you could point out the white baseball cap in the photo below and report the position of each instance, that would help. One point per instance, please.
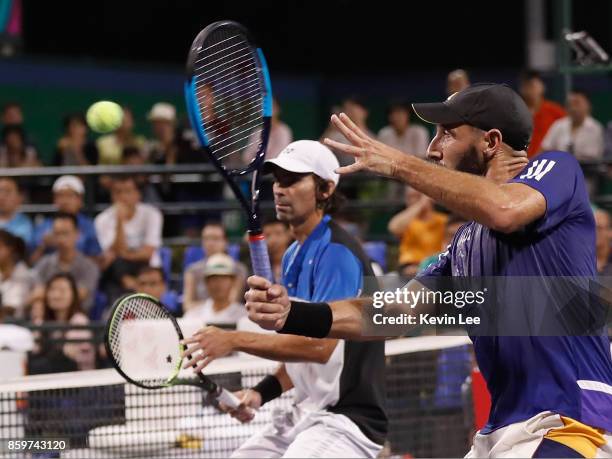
(69, 182)
(307, 156)
(162, 111)
(219, 264)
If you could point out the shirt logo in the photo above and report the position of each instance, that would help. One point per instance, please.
(538, 169)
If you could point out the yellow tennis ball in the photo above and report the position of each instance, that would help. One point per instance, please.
(104, 116)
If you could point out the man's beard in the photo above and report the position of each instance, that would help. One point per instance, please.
(471, 162)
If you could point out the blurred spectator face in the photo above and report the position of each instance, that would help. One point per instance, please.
(399, 119)
(14, 141)
(277, 237)
(456, 81)
(127, 125)
(68, 201)
(76, 128)
(220, 287)
(10, 198)
(294, 196)
(59, 296)
(152, 283)
(355, 111)
(65, 234)
(214, 240)
(602, 227)
(578, 107)
(12, 114)
(162, 129)
(6, 253)
(532, 90)
(125, 192)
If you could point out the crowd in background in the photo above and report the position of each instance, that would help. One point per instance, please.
(69, 267)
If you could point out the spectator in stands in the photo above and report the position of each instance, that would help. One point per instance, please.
(456, 81)
(112, 146)
(452, 226)
(68, 193)
(74, 148)
(220, 308)
(420, 229)
(280, 136)
(129, 233)
(68, 259)
(356, 109)
(152, 281)
(133, 156)
(61, 306)
(602, 242)
(545, 112)
(12, 114)
(278, 238)
(214, 241)
(167, 147)
(400, 134)
(11, 219)
(16, 280)
(578, 132)
(14, 149)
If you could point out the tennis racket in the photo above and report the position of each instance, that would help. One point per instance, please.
(143, 341)
(229, 102)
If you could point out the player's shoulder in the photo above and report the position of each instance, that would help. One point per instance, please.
(345, 248)
(550, 161)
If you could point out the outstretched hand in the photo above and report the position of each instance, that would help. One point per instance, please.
(370, 154)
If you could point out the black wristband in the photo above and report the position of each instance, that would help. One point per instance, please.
(269, 388)
(308, 319)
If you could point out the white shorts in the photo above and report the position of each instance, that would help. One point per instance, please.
(559, 435)
(316, 434)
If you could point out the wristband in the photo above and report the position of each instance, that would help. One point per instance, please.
(308, 319)
(269, 388)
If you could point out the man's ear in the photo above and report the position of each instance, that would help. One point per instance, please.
(493, 139)
(331, 187)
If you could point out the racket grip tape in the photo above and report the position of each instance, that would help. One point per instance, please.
(260, 260)
(228, 399)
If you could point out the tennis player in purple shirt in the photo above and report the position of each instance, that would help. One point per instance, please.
(551, 395)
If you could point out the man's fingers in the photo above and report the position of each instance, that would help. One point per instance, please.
(351, 168)
(267, 308)
(344, 118)
(203, 364)
(346, 130)
(259, 283)
(192, 339)
(256, 295)
(194, 360)
(275, 291)
(344, 148)
(192, 348)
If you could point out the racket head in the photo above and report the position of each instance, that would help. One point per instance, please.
(142, 340)
(229, 96)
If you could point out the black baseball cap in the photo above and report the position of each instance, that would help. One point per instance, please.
(485, 106)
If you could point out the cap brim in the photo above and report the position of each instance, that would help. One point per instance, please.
(437, 113)
(289, 164)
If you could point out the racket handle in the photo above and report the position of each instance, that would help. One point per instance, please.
(228, 399)
(260, 261)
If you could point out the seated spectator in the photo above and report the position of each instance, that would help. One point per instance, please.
(356, 109)
(278, 238)
(74, 148)
(12, 114)
(214, 241)
(400, 134)
(68, 193)
(152, 281)
(280, 136)
(132, 156)
(420, 229)
(16, 280)
(456, 81)
(11, 219)
(545, 112)
(602, 242)
(56, 352)
(129, 233)
(111, 146)
(167, 147)
(68, 259)
(578, 133)
(220, 308)
(14, 149)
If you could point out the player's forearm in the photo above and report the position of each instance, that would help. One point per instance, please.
(472, 196)
(283, 348)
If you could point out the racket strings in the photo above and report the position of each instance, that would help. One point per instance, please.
(229, 94)
(132, 334)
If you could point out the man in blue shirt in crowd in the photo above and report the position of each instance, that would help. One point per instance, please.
(551, 395)
(339, 385)
(68, 192)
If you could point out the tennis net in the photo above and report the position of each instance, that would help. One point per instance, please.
(101, 416)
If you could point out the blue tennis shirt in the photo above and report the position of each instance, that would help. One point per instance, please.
(526, 375)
